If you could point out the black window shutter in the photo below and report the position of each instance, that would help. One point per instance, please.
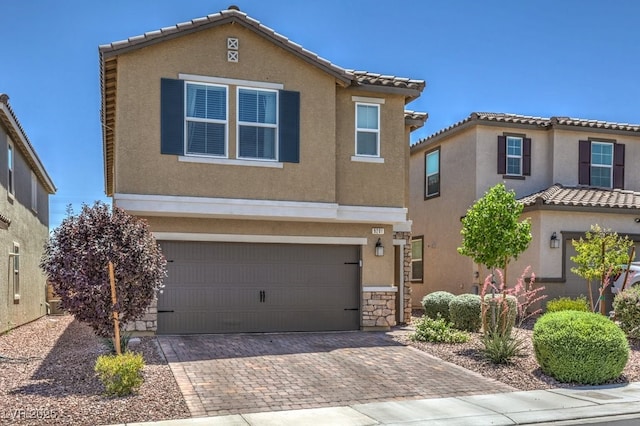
(526, 156)
(584, 160)
(618, 165)
(172, 116)
(502, 155)
(289, 126)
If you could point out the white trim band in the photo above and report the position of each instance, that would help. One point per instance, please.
(391, 288)
(367, 99)
(235, 208)
(230, 81)
(230, 161)
(242, 238)
(361, 159)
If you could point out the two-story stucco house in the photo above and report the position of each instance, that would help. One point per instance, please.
(24, 223)
(569, 173)
(275, 181)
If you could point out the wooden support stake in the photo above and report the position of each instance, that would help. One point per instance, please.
(116, 321)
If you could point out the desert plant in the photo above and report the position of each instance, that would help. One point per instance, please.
(438, 330)
(464, 312)
(437, 303)
(568, 304)
(501, 348)
(500, 313)
(580, 347)
(124, 342)
(120, 374)
(76, 257)
(626, 306)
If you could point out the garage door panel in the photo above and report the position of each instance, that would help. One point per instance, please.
(237, 287)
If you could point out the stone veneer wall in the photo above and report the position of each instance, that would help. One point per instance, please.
(148, 322)
(407, 273)
(378, 308)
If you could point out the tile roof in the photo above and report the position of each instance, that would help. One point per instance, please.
(542, 122)
(578, 196)
(19, 137)
(357, 78)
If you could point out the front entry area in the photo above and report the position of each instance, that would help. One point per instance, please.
(221, 287)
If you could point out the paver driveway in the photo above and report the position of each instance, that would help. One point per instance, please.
(243, 373)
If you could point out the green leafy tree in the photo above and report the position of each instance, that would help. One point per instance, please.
(599, 255)
(76, 261)
(492, 232)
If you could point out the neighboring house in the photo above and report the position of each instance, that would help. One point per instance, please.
(569, 173)
(24, 223)
(270, 176)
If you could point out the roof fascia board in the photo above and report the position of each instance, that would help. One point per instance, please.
(409, 94)
(589, 129)
(586, 209)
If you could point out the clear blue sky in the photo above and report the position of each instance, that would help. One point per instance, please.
(578, 58)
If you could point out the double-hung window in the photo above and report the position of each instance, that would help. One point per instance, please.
(514, 155)
(257, 124)
(601, 164)
(206, 120)
(417, 259)
(14, 267)
(432, 173)
(34, 192)
(368, 129)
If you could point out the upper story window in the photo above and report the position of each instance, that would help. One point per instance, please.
(195, 124)
(257, 124)
(14, 268)
(432, 173)
(601, 163)
(10, 168)
(206, 120)
(368, 129)
(34, 192)
(514, 156)
(417, 260)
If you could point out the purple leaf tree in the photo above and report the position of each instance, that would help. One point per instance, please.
(76, 261)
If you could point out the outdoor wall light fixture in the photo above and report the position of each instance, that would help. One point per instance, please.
(637, 219)
(554, 242)
(379, 248)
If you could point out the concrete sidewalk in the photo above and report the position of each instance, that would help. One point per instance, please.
(611, 405)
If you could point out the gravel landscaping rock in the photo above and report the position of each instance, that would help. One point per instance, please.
(523, 373)
(47, 377)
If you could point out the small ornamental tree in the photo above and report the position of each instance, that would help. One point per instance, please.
(492, 233)
(76, 261)
(600, 255)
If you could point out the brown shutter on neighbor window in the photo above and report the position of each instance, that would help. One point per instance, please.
(526, 156)
(618, 165)
(584, 160)
(502, 155)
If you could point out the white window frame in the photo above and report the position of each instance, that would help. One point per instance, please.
(518, 157)
(14, 271)
(206, 120)
(34, 192)
(604, 166)
(11, 174)
(275, 126)
(376, 131)
(427, 174)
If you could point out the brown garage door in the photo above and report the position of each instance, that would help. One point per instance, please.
(238, 287)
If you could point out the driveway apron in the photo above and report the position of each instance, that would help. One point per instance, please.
(223, 374)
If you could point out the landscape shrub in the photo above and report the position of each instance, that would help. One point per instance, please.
(120, 374)
(438, 330)
(626, 306)
(499, 314)
(568, 304)
(464, 312)
(501, 348)
(124, 342)
(437, 303)
(580, 347)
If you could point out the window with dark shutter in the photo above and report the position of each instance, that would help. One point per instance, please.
(601, 164)
(526, 156)
(584, 160)
(502, 155)
(618, 166)
(289, 131)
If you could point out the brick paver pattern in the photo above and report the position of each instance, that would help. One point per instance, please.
(245, 373)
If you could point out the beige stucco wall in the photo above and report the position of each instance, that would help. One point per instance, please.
(376, 271)
(31, 234)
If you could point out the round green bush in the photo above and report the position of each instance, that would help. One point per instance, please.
(568, 304)
(626, 306)
(580, 347)
(464, 311)
(499, 313)
(437, 303)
